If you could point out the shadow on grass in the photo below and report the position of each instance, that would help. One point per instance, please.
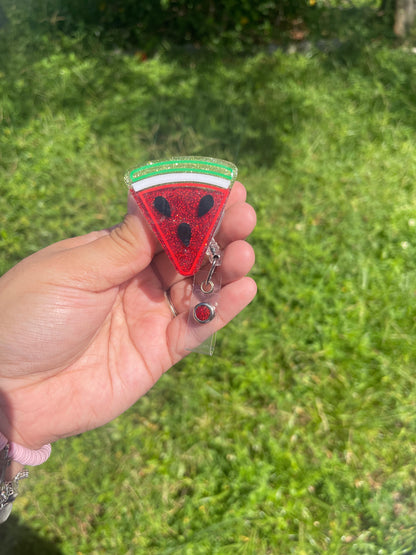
(228, 109)
(18, 539)
(192, 101)
(199, 103)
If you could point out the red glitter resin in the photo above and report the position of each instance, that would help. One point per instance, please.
(203, 313)
(184, 218)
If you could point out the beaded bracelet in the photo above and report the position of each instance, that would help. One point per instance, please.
(23, 455)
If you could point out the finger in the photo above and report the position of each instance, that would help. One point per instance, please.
(234, 297)
(239, 221)
(234, 210)
(238, 194)
(238, 259)
(73, 242)
(112, 258)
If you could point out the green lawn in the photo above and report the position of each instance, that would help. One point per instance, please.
(299, 435)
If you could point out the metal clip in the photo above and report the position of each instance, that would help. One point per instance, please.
(214, 256)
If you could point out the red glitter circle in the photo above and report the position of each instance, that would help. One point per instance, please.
(204, 313)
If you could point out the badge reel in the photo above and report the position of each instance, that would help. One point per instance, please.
(183, 200)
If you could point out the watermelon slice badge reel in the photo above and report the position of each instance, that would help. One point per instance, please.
(183, 201)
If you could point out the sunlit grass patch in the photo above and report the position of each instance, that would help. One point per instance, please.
(299, 435)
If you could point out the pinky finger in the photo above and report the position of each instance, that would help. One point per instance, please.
(234, 297)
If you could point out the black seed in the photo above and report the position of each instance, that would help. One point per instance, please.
(162, 206)
(184, 233)
(205, 205)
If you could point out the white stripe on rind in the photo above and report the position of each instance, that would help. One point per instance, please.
(184, 177)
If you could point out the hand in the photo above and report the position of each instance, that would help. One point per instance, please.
(85, 328)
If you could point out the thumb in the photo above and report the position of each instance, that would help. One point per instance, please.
(116, 256)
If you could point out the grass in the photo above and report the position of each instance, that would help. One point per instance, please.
(299, 435)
